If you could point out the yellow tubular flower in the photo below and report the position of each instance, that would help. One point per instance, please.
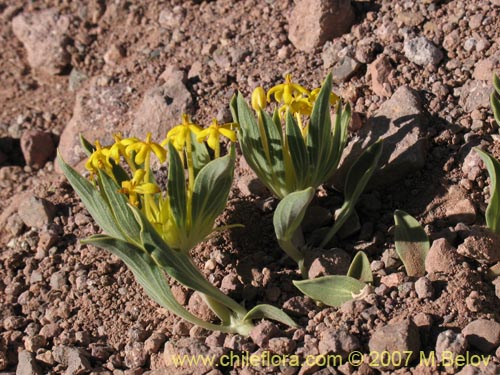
(334, 98)
(99, 160)
(286, 91)
(258, 98)
(214, 132)
(180, 133)
(137, 186)
(119, 147)
(143, 149)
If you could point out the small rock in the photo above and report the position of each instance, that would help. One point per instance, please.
(162, 106)
(135, 355)
(345, 69)
(230, 283)
(442, 257)
(44, 37)
(450, 341)
(424, 288)
(47, 239)
(474, 94)
(50, 330)
(482, 245)
(198, 307)
(337, 341)
(483, 334)
(37, 147)
(330, 54)
(485, 68)
(452, 40)
(401, 122)
(461, 211)
(299, 306)
(472, 166)
(314, 22)
(263, 332)
(422, 52)
(27, 364)
(114, 55)
(36, 212)
(75, 359)
(327, 262)
(189, 347)
(154, 342)
(400, 337)
(14, 225)
(58, 280)
(76, 79)
(380, 70)
(473, 301)
(282, 345)
(393, 280)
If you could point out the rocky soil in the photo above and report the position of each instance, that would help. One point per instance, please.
(417, 73)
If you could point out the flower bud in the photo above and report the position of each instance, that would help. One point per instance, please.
(258, 98)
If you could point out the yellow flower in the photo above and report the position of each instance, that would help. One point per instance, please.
(258, 98)
(119, 147)
(180, 133)
(137, 186)
(99, 160)
(314, 95)
(143, 149)
(214, 131)
(287, 91)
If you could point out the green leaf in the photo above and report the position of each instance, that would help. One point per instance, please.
(495, 101)
(298, 151)
(92, 199)
(210, 192)
(148, 275)
(342, 119)
(270, 312)
(360, 268)
(357, 178)
(493, 210)
(274, 136)
(176, 188)
(331, 290)
(123, 215)
(88, 147)
(288, 217)
(319, 135)
(412, 243)
(233, 107)
(200, 154)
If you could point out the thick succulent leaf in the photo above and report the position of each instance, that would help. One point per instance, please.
(269, 312)
(252, 144)
(211, 190)
(148, 275)
(274, 136)
(92, 199)
(123, 215)
(176, 188)
(200, 154)
(357, 178)
(495, 99)
(493, 210)
(360, 268)
(179, 265)
(342, 119)
(319, 140)
(331, 290)
(233, 107)
(298, 151)
(412, 243)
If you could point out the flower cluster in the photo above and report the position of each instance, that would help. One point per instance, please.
(139, 185)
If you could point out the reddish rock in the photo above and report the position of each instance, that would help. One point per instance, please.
(36, 212)
(483, 334)
(379, 70)
(442, 257)
(482, 245)
(44, 37)
(314, 22)
(37, 147)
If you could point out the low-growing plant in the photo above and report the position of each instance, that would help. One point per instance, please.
(492, 213)
(153, 230)
(297, 149)
(336, 289)
(412, 243)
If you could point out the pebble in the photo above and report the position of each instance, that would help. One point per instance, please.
(27, 364)
(327, 262)
(345, 69)
(424, 288)
(450, 341)
(135, 355)
(422, 51)
(379, 71)
(263, 332)
(313, 22)
(481, 245)
(442, 257)
(483, 334)
(337, 341)
(37, 147)
(36, 212)
(396, 337)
